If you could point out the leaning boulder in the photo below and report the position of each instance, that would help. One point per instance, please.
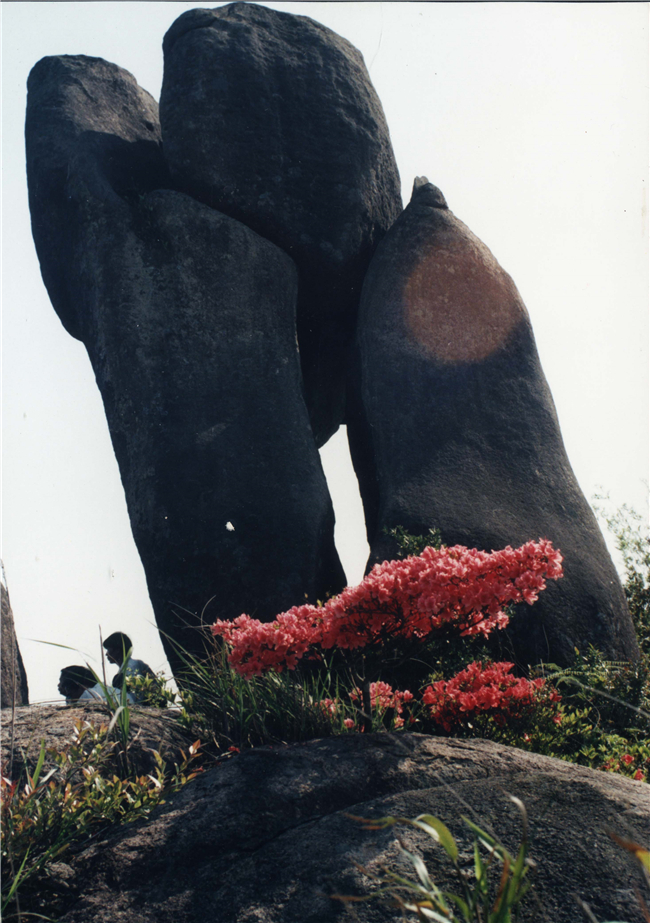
(188, 318)
(271, 118)
(454, 427)
(268, 835)
(91, 133)
(14, 690)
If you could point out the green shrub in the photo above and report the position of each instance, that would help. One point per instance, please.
(604, 719)
(43, 816)
(633, 542)
(152, 691)
(408, 545)
(605, 714)
(603, 722)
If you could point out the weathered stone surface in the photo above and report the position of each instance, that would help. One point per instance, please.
(189, 322)
(13, 686)
(150, 729)
(272, 119)
(91, 133)
(454, 426)
(266, 837)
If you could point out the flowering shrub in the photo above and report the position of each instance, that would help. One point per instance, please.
(384, 699)
(626, 765)
(441, 589)
(329, 706)
(489, 690)
(387, 706)
(606, 714)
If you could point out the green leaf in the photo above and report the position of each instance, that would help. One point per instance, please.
(479, 869)
(65, 647)
(640, 853)
(439, 832)
(462, 905)
(424, 913)
(518, 872)
(48, 776)
(116, 715)
(421, 870)
(480, 833)
(16, 882)
(374, 824)
(489, 841)
(643, 856)
(33, 780)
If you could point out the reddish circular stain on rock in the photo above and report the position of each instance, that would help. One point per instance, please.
(459, 304)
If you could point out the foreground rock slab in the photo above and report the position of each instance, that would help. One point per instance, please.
(188, 318)
(454, 427)
(271, 118)
(266, 836)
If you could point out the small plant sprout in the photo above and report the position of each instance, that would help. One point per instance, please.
(492, 893)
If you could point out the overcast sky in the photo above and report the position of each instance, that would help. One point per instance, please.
(533, 120)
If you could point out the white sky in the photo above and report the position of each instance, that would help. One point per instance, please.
(533, 120)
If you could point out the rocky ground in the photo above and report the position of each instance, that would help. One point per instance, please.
(267, 835)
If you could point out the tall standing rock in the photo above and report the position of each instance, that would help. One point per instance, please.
(454, 427)
(13, 685)
(188, 318)
(271, 118)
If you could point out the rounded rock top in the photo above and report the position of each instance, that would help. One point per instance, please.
(425, 193)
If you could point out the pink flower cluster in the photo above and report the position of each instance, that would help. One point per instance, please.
(382, 698)
(490, 690)
(258, 647)
(412, 598)
(329, 706)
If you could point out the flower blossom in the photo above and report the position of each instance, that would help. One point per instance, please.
(382, 697)
(417, 597)
(491, 690)
(329, 706)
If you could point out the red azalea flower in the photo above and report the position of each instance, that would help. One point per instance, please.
(490, 690)
(411, 598)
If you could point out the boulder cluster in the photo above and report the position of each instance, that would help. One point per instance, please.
(239, 267)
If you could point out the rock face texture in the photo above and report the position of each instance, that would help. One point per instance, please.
(266, 837)
(92, 134)
(151, 729)
(271, 118)
(453, 426)
(13, 686)
(188, 317)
